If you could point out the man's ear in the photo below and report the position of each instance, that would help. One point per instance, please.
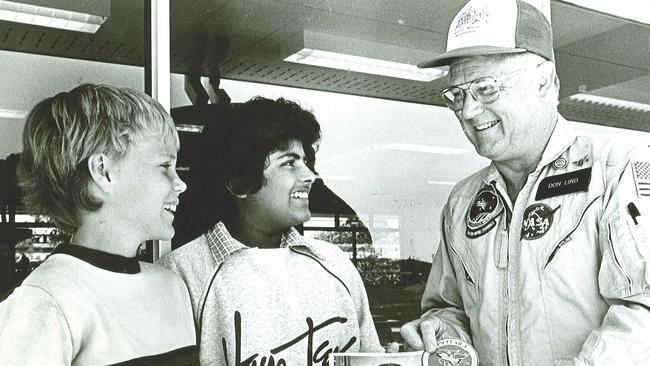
(234, 187)
(99, 168)
(546, 77)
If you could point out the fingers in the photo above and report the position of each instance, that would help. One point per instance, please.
(423, 334)
(392, 347)
(411, 336)
(430, 329)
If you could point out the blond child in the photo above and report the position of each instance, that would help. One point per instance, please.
(100, 162)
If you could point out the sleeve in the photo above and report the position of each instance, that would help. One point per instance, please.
(183, 269)
(369, 340)
(442, 298)
(624, 275)
(33, 330)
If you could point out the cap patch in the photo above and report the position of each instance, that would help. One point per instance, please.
(482, 214)
(470, 19)
(538, 219)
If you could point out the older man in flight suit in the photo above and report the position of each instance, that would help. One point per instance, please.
(545, 254)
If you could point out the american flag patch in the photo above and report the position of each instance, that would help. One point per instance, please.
(641, 173)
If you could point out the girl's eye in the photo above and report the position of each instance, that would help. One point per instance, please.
(289, 163)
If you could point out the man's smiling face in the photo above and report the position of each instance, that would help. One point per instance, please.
(507, 128)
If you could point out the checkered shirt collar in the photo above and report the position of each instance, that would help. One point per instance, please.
(222, 244)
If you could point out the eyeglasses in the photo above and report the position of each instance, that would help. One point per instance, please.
(485, 89)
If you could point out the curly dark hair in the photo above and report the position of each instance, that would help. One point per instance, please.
(234, 152)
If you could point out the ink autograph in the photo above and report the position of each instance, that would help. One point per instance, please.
(314, 356)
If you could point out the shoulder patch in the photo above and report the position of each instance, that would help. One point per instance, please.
(641, 175)
(482, 214)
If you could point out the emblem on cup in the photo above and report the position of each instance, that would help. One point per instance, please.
(453, 352)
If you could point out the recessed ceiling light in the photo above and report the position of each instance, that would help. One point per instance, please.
(365, 65)
(335, 177)
(596, 99)
(12, 114)
(441, 183)
(424, 149)
(56, 18)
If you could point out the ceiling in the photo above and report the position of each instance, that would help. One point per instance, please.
(248, 39)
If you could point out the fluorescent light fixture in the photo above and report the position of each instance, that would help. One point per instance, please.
(365, 65)
(50, 17)
(596, 99)
(635, 10)
(424, 149)
(189, 128)
(441, 183)
(335, 177)
(12, 114)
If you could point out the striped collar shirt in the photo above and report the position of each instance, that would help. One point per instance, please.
(222, 244)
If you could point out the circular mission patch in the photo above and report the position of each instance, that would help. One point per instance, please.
(487, 206)
(538, 219)
(453, 352)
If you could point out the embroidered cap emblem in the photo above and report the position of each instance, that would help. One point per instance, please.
(453, 352)
(538, 219)
(560, 163)
(487, 206)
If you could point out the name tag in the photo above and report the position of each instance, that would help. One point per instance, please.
(558, 185)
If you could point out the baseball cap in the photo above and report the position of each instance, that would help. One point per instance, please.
(490, 27)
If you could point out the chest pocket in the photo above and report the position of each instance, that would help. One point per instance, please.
(574, 225)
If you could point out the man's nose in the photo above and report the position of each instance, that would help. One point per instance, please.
(471, 107)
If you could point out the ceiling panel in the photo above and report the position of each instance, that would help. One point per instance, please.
(248, 39)
(571, 23)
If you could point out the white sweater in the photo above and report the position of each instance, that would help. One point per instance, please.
(267, 306)
(69, 312)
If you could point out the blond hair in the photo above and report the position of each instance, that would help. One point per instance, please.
(63, 131)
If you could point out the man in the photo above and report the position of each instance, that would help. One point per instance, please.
(261, 293)
(544, 253)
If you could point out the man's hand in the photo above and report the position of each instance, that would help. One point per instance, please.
(422, 334)
(392, 347)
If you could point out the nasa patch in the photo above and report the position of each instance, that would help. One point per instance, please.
(482, 214)
(453, 352)
(538, 219)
